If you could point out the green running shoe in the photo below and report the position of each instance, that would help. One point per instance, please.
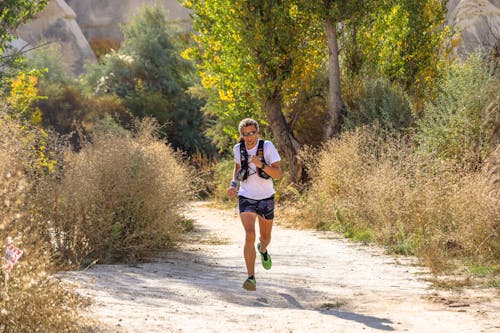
(265, 263)
(250, 284)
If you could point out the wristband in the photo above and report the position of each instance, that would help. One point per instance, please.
(233, 183)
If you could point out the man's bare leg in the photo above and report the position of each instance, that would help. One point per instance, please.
(265, 227)
(248, 221)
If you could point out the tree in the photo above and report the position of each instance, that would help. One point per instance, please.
(251, 57)
(462, 123)
(332, 13)
(13, 13)
(403, 41)
(149, 74)
(250, 54)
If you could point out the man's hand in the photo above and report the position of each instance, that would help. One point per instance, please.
(232, 191)
(256, 160)
(233, 188)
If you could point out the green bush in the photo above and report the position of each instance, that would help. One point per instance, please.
(223, 174)
(462, 123)
(70, 113)
(153, 80)
(383, 103)
(49, 58)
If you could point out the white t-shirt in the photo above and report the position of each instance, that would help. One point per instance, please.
(256, 187)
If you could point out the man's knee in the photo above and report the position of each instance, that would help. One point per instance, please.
(250, 236)
(265, 239)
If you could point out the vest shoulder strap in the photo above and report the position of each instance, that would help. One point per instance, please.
(260, 154)
(243, 154)
(260, 149)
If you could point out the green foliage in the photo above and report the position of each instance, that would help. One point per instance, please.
(403, 242)
(482, 270)
(180, 118)
(49, 60)
(12, 14)
(149, 75)
(402, 39)
(114, 74)
(149, 42)
(250, 52)
(384, 103)
(223, 174)
(462, 123)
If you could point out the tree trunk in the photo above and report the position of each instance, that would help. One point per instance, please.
(335, 103)
(285, 142)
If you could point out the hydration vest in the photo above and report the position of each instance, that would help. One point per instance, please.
(243, 173)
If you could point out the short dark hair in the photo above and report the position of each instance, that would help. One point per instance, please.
(248, 122)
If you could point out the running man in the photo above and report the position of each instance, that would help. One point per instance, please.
(256, 164)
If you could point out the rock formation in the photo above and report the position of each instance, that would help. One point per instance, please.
(56, 23)
(476, 23)
(73, 23)
(102, 19)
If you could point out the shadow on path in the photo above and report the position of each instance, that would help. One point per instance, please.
(370, 321)
(292, 300)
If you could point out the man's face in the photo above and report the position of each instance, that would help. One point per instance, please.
(249, 134)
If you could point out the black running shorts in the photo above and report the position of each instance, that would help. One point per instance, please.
(264, 207)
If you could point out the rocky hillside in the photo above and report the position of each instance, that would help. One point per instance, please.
(75, 23)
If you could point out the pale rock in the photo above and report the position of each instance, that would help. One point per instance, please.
(57, 23)
(103, 19)
(476, 23)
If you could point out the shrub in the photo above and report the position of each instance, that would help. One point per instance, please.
(370, 183)
(462, 123)
(223, 174)
(49, 58)
(120, 198)
(383, 103)
(70, 113)
(149, 75)
(30, 298)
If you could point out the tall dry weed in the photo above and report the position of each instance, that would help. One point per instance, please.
(374, 184)
(119, 198)
(31, 300)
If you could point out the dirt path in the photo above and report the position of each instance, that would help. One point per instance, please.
(318, 283)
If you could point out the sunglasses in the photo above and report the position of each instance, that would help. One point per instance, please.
(248, 133)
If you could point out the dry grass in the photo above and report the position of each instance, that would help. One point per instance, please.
(30, 299)
(379, 189)
(120, 197)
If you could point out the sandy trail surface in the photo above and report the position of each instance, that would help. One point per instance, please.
(319, 282)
